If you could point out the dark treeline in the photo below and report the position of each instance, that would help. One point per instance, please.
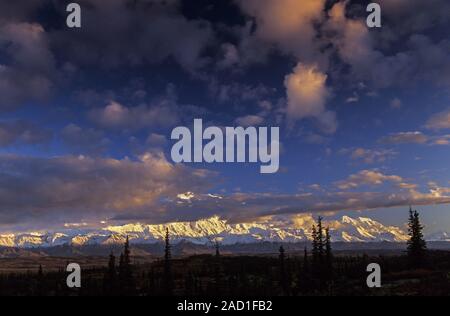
(315, 271)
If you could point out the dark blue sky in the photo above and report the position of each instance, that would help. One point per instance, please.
(86, 114)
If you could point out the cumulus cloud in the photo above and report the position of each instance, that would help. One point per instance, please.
(289, 24)
(306, 97)
(117, 116)
(74, 187)
(22, 132)
(406, 16)
(442, 140)
(244, 207)
(249, 120)
(374, 58)
(237, 92)
(155, 139)
(28, 73)
(351, 37)
(367, 177)
(249, 49)
(415, 138)
(369, 156)
(84, 139)
(405, 138)
(439, 121)
(160, 32)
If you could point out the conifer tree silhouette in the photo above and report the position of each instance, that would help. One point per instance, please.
(40, 290)
(328, 255)
(218, 273)
(283, 276)
(168, 281)
(318, 249)
(417, 247)
(305, 260)
(319, 253)
(126, 281)
(315, 245)
(320, 239)
(110, 280)
(121, 268)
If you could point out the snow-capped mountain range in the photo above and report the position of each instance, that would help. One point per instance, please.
(214, 229)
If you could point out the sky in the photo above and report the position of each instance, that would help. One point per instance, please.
(86, 113)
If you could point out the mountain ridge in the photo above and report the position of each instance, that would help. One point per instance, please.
(211, 230)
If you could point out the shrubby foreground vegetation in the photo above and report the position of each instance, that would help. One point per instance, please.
(316, 271)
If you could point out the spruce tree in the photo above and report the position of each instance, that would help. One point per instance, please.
(110, 279)
(112, 266)
(303, 275)
(40, 291)
(218, 275)
(417, 247)
(125, 272)
(126, 253)
(121, 268)
(307, 273)
(328, 254)
(305, 260)
(315, 246)
(168, 282)
(320, 239)
(283, 277)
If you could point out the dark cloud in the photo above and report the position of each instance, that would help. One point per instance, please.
(23, 132)
(28, 74)
(89, 187)
(247, 49)
(413, 16)
(82, 140)
(117, 116)
(120, 32)
(395, 55)
(244, 207)
(19, 10)
(330, 48)
(160, 112)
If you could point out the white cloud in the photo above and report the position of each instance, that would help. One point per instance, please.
(288, 23)
(242, 207)
(307, 94)
(405, 138)
(249, 120)
(370, 156)
(114, 115)
(439, 121)
(367, 177)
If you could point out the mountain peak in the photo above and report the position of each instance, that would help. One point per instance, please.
(208, 230)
